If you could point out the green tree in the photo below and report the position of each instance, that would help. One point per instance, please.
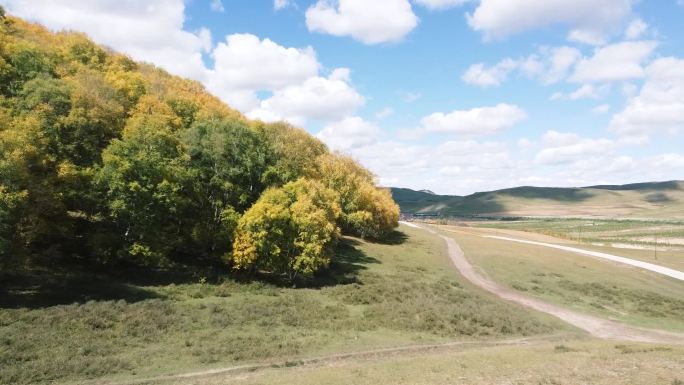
(294, 149)
(229, 162)
(145, 176)
(290, 230)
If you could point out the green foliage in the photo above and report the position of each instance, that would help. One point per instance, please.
(145, 177)
(228, 163)
(296, 151)
(289, 230)
(106, 160)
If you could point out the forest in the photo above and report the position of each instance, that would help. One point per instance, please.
(108, 162)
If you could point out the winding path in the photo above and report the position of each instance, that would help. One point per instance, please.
(597, 327)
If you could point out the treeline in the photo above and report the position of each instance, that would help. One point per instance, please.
(111, 161)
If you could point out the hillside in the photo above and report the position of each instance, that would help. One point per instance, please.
(639, 200)
(105, 161)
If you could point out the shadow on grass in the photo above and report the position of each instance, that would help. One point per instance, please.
(63, 285)
(394, 238)
(42, 289)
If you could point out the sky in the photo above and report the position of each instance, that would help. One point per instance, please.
(454, 96)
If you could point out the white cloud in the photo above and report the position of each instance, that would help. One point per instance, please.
(601, 109)
(385, 112)
(280, 4)
(586, 91)
(150, 31)
(501, 18)
(371, 22)
(563, 148)
(244, 61)
(476, 121)
(479, 75)
(440, 4)
(349, 133)
(548, 65)
(659, 106)
(216, 6)
(635, 29)
(587, 36)
(666, 162)
(317, 98)
(620, 61)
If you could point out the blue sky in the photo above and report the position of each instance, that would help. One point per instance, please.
(455, 96)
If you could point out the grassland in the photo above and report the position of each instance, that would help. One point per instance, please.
(73, 328)
(602, 288)
(548, 363)
(660, 242)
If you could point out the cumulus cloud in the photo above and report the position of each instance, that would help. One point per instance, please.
(479, 75)
(502, 18)
(659, 106)
(620, 61)
(244, 64)
(440, 4)
(280, 4)
(476, 121)
(548, 65)
(371, 22)
(349, 133)
(385, 112)
(601, 109)
(216, 6)
(150, 31)
(586, 91)
(562, 148)
(317, 98)
(635, 29)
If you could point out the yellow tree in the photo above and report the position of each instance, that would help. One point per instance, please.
(290, 230)
(367, 210)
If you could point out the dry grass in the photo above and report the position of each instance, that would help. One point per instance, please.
(594, 286)
(549, 363)
(377, 295)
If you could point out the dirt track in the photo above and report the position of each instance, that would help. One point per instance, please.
(595, 326)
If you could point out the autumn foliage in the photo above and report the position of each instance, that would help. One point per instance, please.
(110, 161)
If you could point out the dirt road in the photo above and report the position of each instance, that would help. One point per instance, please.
(595, 326)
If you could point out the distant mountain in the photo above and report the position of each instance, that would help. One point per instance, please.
(643, 200)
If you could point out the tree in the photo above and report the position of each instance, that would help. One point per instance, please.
(367, 211)
(229, 162)
(294, 149)
(290, 230)
(145, 177)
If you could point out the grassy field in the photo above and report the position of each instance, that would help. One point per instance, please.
(548, 363)
(70, 328)
(660, 242)
(609, 290)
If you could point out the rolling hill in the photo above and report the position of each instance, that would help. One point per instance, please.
(638, 200)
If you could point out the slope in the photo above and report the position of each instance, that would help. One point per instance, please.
(640, 200)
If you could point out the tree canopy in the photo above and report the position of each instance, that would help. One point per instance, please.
(110, 161)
